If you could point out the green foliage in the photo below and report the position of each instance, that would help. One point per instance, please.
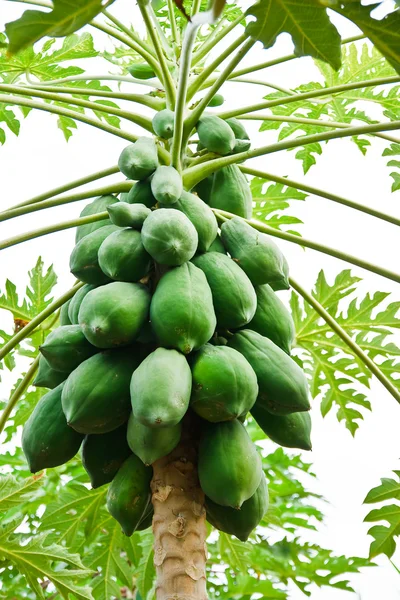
(384, 535)
(271, 200)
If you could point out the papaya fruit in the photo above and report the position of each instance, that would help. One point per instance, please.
(217, 246)
(241, 146)
(76, 301)
(64, 318)
(123, 197)
(166, 185)
(48, 377)
(215, 134)
(229, 465)
(112, 315)
(128, 215)
(259, 257)
(203, 188)
(163, 123)
(141, 71)
(169, 237)
(140, 193)
(84, 263)
(98, 205)
(139, 160)
(283, 387)
(216, 100)
(129, 494)
(145, 523)
(234, 298)
(160, 389)
(240, 523)
(66, 347)
(290, 431)
(231, 192)
(103, 454)
(237, 128)
(95, 397)
(224, 384)
(122, 256)
(47, 440)
(272, 319)
(151, 443)
(201, 216)
(282, 284)
(181, 310)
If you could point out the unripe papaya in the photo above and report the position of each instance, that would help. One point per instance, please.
(160, 389)
(66, 347)
(163, 123)
(139, 160)
(224, 384)
(129, 494)
(76, 301)
(203, 188)
(48, 377)
(169, 237)
(141, 71)
(151, 443)
(272, 319)
(282, 284)
(145, 523)
(237, 128)
(216, 100)
(217, 246)
(283, 387)
(234, 298)
(47, 441)
(84, 263)
(166, 185)
(241, 146)
(240, 523)
(102, 455)
(112, 315)
(291, 431)
(229, 464)
(181, 310)
(215, 134)
(122, 256)
(95, 397)
(140, 193)
(64, 318)
(128, 215)
(98, 205)
(255, 252)
(231, 192)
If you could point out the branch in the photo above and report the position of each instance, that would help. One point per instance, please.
(172, 21)
(354, 347)
(20, 390)
(214, 38)
(269, 84)
(84, 77)
(131, 34)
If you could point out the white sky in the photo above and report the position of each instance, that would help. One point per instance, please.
(39, 159)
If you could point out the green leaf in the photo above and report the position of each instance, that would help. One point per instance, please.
(234, 552)
(384, 536)
(13, 493)
(306, 21)
(271, 198)
(146, 571)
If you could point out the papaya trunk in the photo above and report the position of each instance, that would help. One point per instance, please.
(179, 526)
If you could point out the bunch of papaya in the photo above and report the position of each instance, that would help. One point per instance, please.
(176, 324)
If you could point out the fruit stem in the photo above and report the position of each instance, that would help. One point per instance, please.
(354, 347)
(19, 391)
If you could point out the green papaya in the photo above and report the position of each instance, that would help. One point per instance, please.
(139, 160)
(151, 443)
(141, 71)
(95, 397)
(216, 100)
(282, 284)
(231, 192)
(66, 347)
(128, 215)
(237, 128)
(259, 257)
(47, 441)
(169, 237)
(48, 377)
(204, 187)
(166, 185)
(283, 387)
(229, 465)
(76, 302)
(163, 123)
(201, 216)
(140, 193)
(217, 246)
(103, 454)
(122, 198)
(147, 335)
(181, 310)
(224, 384)
(122, 256)
(129, 494)
(291, 431)
(272, 319)
(98, 205)
(112, 315)
(64, 318)
(84, 263)
(234, 298)
(160, 389)
(241, 146)
(145, 523)
(240, 523)
(215, 134)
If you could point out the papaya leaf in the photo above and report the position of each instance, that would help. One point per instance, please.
(145, 571)
(272, 198)
(13, 493)
(384, 535)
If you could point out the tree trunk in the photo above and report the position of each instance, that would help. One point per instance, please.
(179, 526)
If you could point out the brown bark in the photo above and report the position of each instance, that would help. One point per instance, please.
(179, 526)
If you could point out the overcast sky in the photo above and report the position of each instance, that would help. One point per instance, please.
(39, 159)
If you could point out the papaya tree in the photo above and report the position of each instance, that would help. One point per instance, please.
(157, 379)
